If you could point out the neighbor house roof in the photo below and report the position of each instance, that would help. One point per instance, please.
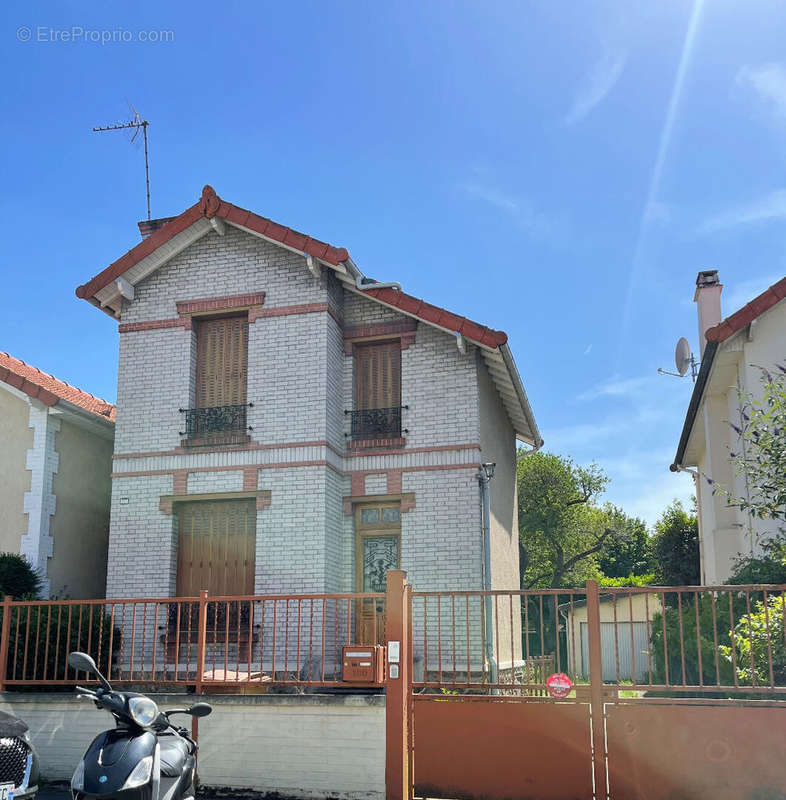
(48, 389)
(106, 289)
(748, 313)
(715, 336)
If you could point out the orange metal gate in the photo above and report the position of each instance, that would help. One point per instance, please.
(689, 710)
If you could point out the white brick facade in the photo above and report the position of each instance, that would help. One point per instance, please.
(300, 381)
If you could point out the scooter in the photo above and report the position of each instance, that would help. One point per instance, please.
(145, 757)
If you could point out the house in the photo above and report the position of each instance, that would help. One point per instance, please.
(287, 425)
(55, 467)
(732, 350)
(625, 629)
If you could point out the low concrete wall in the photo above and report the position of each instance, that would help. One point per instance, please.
(298, 745)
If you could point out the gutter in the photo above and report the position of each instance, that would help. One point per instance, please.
(695, 401)
(507, 357)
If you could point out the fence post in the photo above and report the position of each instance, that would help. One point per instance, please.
(397, 695)
(596, 690)
(5, 633)
(201, 638)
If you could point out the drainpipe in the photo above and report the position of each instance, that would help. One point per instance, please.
(485, 475)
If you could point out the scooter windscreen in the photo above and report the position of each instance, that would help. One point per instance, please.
(119, 760)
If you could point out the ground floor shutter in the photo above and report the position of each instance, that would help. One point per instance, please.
(216, 548)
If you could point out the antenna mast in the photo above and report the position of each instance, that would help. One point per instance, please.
(136, 123)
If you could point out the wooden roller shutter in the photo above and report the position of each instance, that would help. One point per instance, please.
(216, 548)
(378, 375)
(222, 362)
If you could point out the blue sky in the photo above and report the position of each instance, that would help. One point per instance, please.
(557, 170)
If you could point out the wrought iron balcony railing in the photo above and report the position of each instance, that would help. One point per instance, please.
(217, 420)
(375, 423)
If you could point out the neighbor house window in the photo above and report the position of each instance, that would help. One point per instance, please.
(221, 378)
(377, 411)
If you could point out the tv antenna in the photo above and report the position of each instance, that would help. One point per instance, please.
(136, 124)
(684, 361)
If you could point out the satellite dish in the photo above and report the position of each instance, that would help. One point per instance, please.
(682, 356)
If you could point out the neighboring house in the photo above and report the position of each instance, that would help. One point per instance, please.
(732, 350)
(55, 485)
(330, 427)
(625, 628)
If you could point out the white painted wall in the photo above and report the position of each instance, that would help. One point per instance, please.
(728, 532)
(305, 746)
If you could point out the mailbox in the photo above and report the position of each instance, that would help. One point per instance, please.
(363, 664)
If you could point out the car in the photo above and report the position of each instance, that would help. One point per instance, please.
(19, 769)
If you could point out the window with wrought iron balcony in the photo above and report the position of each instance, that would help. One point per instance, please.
(220, 415)
(376, 420)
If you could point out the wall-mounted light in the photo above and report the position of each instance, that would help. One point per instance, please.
(488, 469)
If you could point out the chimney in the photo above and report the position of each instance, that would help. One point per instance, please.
(708, 300)
(148, 226)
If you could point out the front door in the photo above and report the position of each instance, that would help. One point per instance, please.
(378, 549)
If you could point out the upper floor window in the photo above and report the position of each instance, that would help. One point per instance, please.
(377, 411)
(220, 400)
(222, 361)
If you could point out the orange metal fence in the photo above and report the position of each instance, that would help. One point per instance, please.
(275, 639)
(713, 640)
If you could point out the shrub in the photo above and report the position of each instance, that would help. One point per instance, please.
(18, 578)
(757, 638)
(682, 642)
(47, 634)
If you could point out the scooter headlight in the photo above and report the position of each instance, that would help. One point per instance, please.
(78, 781)
(141, 773)
(142, 710)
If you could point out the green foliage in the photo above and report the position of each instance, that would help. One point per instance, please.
(769, 567)
(757, 637)
(760, 455)
(18, 578)
(629, 553)
(629, 580)
(49, 632)
(562, 529)
(675, 547)
(682, 643)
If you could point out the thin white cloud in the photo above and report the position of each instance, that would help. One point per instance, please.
(768, 81)
(600, 80)
(630, 427)
(588, 349)
(770, 208)
(517, 207)
(619, 387)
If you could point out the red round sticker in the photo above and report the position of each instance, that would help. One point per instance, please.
(559, 685)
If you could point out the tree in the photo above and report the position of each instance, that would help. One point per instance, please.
(760, 455)
(768, 567)
(18, 578)
(675, 547)
(630, 554)
(562, 530)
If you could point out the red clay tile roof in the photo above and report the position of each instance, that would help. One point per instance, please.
(49, 389)
(438, 316)
(211, 205)
(739, 319)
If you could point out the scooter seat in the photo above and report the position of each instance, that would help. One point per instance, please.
(174, 752)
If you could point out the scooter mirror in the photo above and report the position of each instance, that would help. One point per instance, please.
(200, 709)
(82, 662)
